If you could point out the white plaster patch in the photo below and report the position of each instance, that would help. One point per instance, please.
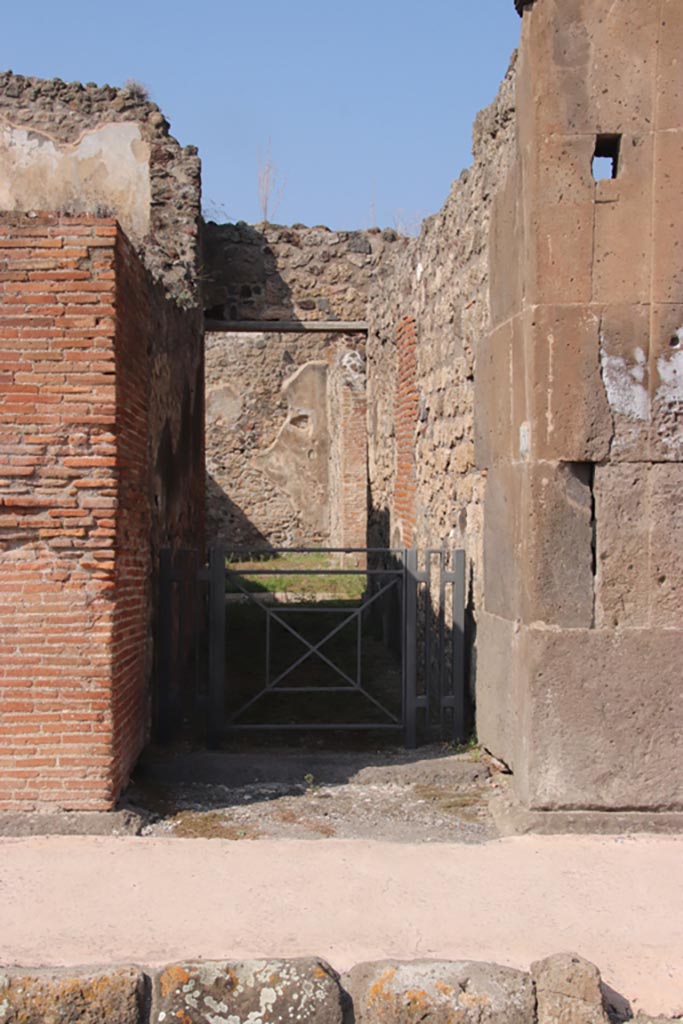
(524, 439)
(106, 171)
(625, 385)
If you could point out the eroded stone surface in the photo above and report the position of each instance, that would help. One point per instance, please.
(391, 992)
(259, 991)
(113, 997)
(568, 991)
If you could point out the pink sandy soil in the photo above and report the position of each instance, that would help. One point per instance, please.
(618, 901)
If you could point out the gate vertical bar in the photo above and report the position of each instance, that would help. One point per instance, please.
(459, 686)
(410, 633)
(216, 703)
(164, 681)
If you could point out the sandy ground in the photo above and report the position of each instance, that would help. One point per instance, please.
(150, 900)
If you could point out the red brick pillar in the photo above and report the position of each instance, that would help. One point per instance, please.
(73, 548)
(406, 406)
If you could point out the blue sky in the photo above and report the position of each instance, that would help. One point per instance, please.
(367, 104)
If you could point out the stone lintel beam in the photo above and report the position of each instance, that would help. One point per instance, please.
(291, 326)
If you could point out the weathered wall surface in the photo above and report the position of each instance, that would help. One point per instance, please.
(102, 152)
(348, 465)
(94, 149)
(274, 442)
(580, 417)
(428, 314)
(543, 404)
(269, 272)
(285, 421)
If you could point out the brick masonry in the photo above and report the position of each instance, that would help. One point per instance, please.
(406, 407)
(76, 510)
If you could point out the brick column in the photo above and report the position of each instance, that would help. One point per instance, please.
(406, 405)
(73, 529)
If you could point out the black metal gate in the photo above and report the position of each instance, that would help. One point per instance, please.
(359, 640)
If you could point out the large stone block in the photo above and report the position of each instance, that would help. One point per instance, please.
(639, 534)
(579, 50)
(506, 244)
(624, 364)
(669, 84)
(501, 699)
(558, 192)
(392, 992)
(270, 991)
(622, 257)
(538, 543)
(504, 549)
(557, 525)
(666, 545)
(605, 725)
(622, 520)
(493, 397)
(559, 251)
(569, 413)
(112, 997)
(667, 273)
(666, 382)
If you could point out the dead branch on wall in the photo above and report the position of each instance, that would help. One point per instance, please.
(271, 185)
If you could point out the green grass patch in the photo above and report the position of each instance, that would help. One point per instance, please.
(286, 579)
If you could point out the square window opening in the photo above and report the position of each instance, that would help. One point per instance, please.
(606, 157)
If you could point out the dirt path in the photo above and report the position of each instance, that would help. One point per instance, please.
(392, 795)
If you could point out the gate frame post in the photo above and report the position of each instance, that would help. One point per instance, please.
(458, 627)
(216, 701)
(410, 645)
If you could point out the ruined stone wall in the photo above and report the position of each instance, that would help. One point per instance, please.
(284, 411)
(270, 272)
(428, 312)
(581, 416)
(77, 148)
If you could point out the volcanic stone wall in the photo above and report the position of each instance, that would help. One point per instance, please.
(270, 272)
(77, 148)
(580, 416)
(545, 408)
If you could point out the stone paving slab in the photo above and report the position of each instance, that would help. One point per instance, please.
(617, 901)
